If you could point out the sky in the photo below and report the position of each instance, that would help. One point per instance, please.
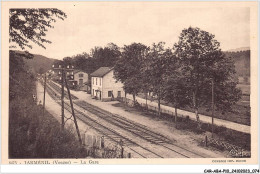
(96, 24)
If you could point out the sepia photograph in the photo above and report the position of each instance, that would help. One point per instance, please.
(130, 81)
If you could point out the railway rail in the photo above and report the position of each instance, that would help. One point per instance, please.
(103, 130)
(58, 88)
(135, 128)
(124, 123)
(109, 133)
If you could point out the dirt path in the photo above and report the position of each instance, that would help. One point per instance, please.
(203, 118)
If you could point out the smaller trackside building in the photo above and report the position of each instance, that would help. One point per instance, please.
(81, 77)
(104, 86)
(83, 80)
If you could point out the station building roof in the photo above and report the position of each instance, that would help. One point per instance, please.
(101, 71)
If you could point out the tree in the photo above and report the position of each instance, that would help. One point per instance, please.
(107, 56)
(225, 84)
(99, 57)
(146, 86)
(84, 62)
(128, 68)
(31, 24)
(159, 59)
(203, 62)
(175, 87)
(67, 61)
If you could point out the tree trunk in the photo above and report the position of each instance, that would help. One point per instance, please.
(195, 106)
(146, 106)
(125, 98)
(198, 118)
(175, 115)
(159, 105)
(197, 115)
(134, 98)
(196, 109)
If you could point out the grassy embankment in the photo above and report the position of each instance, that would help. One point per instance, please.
(30, 134)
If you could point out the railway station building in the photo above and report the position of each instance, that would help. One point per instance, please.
(69, 74)
(57, 71)
(104, 86)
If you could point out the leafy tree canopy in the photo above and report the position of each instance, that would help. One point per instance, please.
(106, 56)
(99, 57)
(203, 61)
(30, 25)
(130, 63)
(128, 68)
(159, 60)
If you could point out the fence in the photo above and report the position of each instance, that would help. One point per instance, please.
(97, 147)
(234, 151)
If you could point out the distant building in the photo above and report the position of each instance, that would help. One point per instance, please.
(68, 70)
(104, 85)
(82, 80)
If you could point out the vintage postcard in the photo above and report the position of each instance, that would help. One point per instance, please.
(129, 83)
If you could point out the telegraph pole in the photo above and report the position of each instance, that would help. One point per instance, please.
(72, 111)
(62, 98)
(64, 82)
(212, 102)
(43, 109)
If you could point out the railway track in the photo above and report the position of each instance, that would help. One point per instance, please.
(109, 133)
(133, 127)
(58, 88)
(130, 126)
(103, 130)
(136, 128)
(54, 95)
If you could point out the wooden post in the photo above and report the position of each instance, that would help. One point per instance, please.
(102, 142)
(206, 141)
(129, 155)
(62, 98)
(43, 109)
(212, 128)
(72, 111)
(122, 152)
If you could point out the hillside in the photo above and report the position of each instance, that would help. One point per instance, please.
(239, 49)
(242, 62)
(39, 64)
